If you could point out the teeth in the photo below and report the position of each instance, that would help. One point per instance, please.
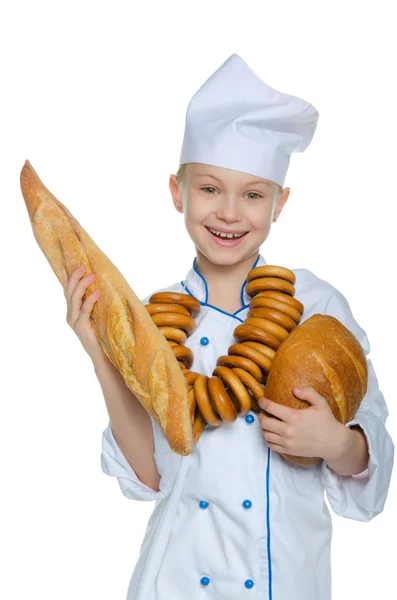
(226, 235)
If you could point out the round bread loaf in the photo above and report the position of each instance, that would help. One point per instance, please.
(323, 354)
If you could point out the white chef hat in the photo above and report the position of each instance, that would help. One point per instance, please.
(235, 120)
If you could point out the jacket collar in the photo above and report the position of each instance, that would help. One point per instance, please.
(196, 285)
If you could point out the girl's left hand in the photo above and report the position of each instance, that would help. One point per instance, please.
(308, 432)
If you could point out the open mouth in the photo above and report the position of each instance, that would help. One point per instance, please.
(226, 237)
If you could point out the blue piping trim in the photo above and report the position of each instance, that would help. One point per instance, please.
(269, 558)
(240, 309)
(203, 278)
(242, 287)
(214, 307)
(205, 303)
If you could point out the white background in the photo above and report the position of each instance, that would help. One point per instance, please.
(94, 94)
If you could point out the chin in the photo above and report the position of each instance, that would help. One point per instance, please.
(226, 257)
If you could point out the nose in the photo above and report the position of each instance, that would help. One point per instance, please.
(229, 209)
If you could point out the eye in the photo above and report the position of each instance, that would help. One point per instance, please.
(254, 194)
(208, 188)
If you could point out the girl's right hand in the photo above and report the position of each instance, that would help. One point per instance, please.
(78, 315)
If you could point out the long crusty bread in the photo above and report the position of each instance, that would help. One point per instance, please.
(122, 324)
(323, 354)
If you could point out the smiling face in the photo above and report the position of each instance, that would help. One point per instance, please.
(215, 199)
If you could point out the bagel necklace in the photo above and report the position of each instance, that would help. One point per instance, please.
(237, 382)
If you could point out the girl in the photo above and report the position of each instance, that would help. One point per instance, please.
(233, 519)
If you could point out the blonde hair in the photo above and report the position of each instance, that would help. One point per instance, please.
(182, 169)
(179, 173)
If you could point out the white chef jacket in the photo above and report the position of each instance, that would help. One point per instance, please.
(234, 520)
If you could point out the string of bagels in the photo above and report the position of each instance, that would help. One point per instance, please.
(237, 382)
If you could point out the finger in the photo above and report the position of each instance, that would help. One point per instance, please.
(76, 299)
(89, 303)
(271, 424)
(74, 280)
(277, 410)
(309, 394)
(277, 448)
(273, 438)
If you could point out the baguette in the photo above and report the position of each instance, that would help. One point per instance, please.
(122, 324)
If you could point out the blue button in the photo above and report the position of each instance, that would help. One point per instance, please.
(203, 504)
(249, 583)
(205, 580)
(250, 419)
(204, 341)
(247, 503)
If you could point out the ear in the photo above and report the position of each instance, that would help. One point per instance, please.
(280, 203)
(176, 193)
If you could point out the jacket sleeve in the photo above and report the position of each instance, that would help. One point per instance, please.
(114, 463)
(362, 496)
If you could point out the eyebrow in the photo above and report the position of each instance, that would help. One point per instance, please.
(247, 184)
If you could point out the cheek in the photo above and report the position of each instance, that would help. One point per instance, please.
(192, 222)
(195, 213)
(260, 217)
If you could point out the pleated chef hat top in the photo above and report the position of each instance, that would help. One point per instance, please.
(235, 120)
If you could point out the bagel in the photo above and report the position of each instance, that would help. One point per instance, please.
(221, 400)
(184, 354)
(183, 322)
(204, 402)
(168, 308)
(273, 315)
(237, 389)
(256, 389)
(284, 307)
(283, 298)
(172, 333)
(189, 302)
(255, 334)
(280, 332)
(271, 271)
(191, 377)
(198, 426)
(260, 359)
(242, 362)
(269, 283)
(266, 350)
